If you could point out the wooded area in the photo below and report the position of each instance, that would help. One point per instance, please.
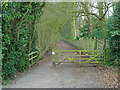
(29, 27)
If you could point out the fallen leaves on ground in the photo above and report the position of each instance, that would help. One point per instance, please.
(108, 77)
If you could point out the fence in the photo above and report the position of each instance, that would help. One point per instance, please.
(32, 58)
(89, 44)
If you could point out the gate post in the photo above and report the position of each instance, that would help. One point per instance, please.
(106, 55)
(53, 59)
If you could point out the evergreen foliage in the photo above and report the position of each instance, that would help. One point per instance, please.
(18, 21)
(113, 27)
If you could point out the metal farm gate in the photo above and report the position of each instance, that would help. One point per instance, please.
(79, 56)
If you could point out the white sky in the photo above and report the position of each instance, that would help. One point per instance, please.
(110, 11)
(59, 0)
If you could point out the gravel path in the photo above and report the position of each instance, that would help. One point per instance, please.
(44, 75)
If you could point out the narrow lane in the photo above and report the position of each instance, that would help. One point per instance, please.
(44, 75)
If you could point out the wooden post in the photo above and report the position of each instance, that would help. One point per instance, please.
(104, 46)
(80, 53)
(107, 55)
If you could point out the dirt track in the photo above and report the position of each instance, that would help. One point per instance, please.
(44, 75)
